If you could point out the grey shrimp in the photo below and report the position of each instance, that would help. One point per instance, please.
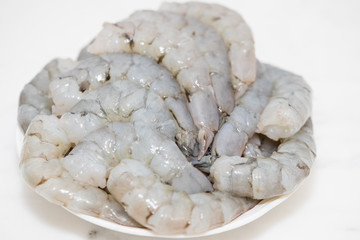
(289, 106)
(165, 210)
(47, 140)
(133, 73)
(265, 177)
(233, 135)
(235, 32)
(161, 36)
(77, 152)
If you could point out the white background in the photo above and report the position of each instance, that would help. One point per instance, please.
(319, 40)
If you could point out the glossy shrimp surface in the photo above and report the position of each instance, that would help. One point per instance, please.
(177, 42)
(166, 121)
(235, 32)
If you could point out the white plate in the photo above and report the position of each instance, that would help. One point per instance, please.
(256, 212)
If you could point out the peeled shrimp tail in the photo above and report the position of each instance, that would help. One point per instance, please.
(265, 177)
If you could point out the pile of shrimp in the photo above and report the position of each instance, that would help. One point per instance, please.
(166, 121)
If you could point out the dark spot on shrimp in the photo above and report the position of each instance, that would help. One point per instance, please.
(148, 216)
(43, 180)
(187, 95)
(301, 166)
(38, 135)
(83, 114)
(193, 34)
(214, 19)
(159, 61)
(129, 40)
(84, 86)
(105, 189)
(107, 77)
(70, 149)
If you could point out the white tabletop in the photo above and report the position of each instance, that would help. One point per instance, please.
(319, 40)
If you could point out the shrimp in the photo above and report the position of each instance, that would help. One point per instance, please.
(68, 160)
(235, 32)
(133, 73)
(289, 106)
(266, 177)
(34, 97)
(215, 55)
(161, 124)
(164, 37)
(45, 142)
(64, 191)
(92, 159)
(165, 210)
(233, 135)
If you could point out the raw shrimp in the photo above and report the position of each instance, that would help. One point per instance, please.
(93, 158)
(233, 135)
(48, 139)
(163, 209)
(265, 177)
(215, 53)
(289, 106)
(164, 37)
(72, 173)
(235, 32)
(64, 191)
(34, 97)
(125, 72)
(121, 133)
